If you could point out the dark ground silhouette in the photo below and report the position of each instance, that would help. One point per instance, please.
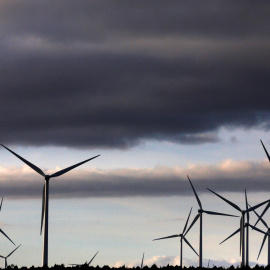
(106, 267)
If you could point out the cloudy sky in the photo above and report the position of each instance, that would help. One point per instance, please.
(160, 90)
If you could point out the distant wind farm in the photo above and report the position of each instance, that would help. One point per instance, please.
(243, 228)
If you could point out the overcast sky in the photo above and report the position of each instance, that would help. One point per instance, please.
(160, 90)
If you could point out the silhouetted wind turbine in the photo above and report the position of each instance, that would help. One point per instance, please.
(268, 205)
(45, 197)
(182, 236)
(73, 264)
(8, 256)
(0, 229)
(242, 223)
(142, 261)
(247, 225)
(267, 234)
(200, 213)
(247, 231)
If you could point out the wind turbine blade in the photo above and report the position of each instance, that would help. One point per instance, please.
(1, 203)
(71, 167)
(262, 214)
(264, 238)
(142, 261)
(261, 219)
(192, 223)
(198, 200)
(7, 237)
(265, 150)
(227, 201)
(93, 258)
(257, 229)
(190, 245)
(237, 231)
(218, 214)
(258, 205)
(187, 221)
(34, 167)
(2, 257)
(43, 208)
(13, 251)
(171, 236)
(247, 206)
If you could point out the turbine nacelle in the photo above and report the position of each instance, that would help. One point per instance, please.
(47, 177)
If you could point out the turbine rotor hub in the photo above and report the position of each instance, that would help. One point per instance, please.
(47, 177)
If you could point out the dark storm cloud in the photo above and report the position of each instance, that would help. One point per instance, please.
(111, 74)
(228, 176)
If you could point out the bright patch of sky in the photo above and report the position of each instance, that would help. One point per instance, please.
(236, 144)
(122, 229)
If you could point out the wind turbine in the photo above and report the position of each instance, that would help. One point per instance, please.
(199, 215)
(268, 205)
(242, 224)
(182, 236)
(0, 229)
(8, 256)
(45, 197)
(267, 234)
(88, 264)
(241, 230)
(142, 261)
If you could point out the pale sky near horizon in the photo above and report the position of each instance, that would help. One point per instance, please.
(122, 227)
(160, 90)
